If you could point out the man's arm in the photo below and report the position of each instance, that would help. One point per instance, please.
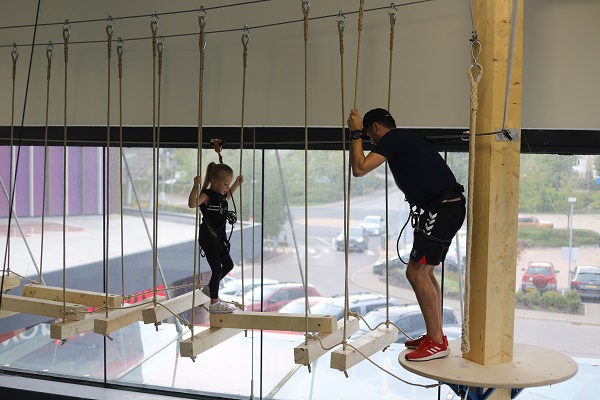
(362, 165)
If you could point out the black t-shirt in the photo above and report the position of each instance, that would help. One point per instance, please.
(418, 169)
(214, 212)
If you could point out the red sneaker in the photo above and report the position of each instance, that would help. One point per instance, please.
(414, 343)
(428, 350)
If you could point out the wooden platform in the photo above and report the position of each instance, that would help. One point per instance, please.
(531, 366)
(122, 317)
(47, 308)
(177, 305)
(365, 346)
(205, 340)
(274, 321)
(307, 352)
(10, 281)
(85, 297)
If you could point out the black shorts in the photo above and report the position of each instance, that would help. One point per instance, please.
(435, 231)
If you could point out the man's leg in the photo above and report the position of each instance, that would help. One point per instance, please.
(438, 290)
(428, 297)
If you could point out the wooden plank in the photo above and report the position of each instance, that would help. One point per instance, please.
(88, 298)
(496, 188)
(274, 321)
(47, 308)
(205, 340)
(65, 329)
(368, 345)
(308, 352)
(175, 306)
(118, 319)
(10, 281)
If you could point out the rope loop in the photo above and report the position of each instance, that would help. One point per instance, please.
(49, 51)
(392, 11)
(245, 36)
(160, 45)
(14, 53)
(120, 45)
(202, 18)
(341, 21)
(154, 22)
(66, 30)
(305, 7)
(110, 24)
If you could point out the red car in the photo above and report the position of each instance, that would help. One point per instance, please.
(539, 276)
(275, 296)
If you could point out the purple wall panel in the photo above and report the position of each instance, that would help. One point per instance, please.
(55, 180)
(90, 192)
(21, 201)
(38, 179)
(4, 174)
(74, 178)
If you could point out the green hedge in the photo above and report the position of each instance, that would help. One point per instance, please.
(570, 302)
(530, 236)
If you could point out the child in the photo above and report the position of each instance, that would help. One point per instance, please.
(212, 235)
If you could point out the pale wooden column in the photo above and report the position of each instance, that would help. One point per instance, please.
(496, 188)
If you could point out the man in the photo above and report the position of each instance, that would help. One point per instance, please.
(429, 185)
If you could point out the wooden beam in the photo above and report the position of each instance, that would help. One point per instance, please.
(205, 340)
(47, 308)
(369, 344)
(91, 299)
(175, 306)
(312, 349)
(496, 186)
(118, 319)
(65, 329)
(10, 281)
(274, 321)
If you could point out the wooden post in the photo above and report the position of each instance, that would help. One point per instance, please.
(496, 187)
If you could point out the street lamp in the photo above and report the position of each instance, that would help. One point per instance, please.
(572, 201)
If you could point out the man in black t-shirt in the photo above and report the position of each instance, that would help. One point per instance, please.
(428, 185)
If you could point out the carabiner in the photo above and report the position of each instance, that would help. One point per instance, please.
(341, 21)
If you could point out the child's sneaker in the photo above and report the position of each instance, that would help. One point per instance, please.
(219, 308)
(414, 343)
(428, 350)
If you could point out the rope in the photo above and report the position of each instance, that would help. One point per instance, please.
(201, 46)
(361, 11)
(66, 34)
(305, 10)
(475, 51)
(15, 56)
(109, 33)
(154, 28)
(120, 57)
(341, 25)
(392, 12)
(49, 53)
(245, 41)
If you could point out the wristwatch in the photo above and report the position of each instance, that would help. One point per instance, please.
(356, 134)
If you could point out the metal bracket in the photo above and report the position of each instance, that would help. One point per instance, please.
(512, 132)
(477, 393)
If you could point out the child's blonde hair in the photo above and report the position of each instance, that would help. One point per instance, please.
(215, 172)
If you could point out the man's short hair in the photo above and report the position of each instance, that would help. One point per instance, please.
(379, 115)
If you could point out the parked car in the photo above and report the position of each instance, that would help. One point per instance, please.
(361, 303)
(233, 289)
(373, 225)
(357, 240)
(529, 220)
(274, 297)
(539, 276)
(298, 306)
(407, 317)
(586, 282)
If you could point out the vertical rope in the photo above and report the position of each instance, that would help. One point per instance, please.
(154, 28)
(49, 53)
(160, 49)
(109, 33)
(201, 46)
(120, 58)
(305, 10)
(245, 41)
(475, 51)
(392, 11)
(361, 12)
(15, 56)
(66, 34)
(341, 23)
